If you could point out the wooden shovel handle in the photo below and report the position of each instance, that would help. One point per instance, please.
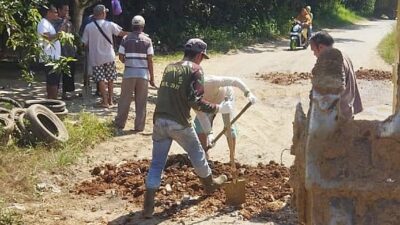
(232, 122)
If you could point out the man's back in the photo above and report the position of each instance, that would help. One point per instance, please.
(100, 49)
(350, 100)
(136, 46)
(181, 88)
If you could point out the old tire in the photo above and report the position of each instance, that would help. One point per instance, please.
(11, 101)
(17, 114)
(4, 111)
(52, 104)
(63, 114)
(7, 127)
(45, 125)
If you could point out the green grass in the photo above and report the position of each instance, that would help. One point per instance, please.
(340, 16)
(387, 46)
(9, 217)
(21, 165)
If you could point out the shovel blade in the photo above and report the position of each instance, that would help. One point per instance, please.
(235, 192)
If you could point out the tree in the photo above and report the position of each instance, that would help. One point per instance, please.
(20, 19)
(79, 9)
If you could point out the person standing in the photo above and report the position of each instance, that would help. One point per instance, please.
(136, 52)
(216, 89)
(309, 31)
(97, 36)
(51, 48)
(180, 90)
(67, 50)
(331, 61)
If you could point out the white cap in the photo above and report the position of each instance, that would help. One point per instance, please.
(138, 21)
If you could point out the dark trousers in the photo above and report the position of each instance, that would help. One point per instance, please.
(68, 81)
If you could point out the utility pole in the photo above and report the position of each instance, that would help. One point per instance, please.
(396, 67)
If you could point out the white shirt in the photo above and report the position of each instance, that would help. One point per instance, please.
(216, 88)
(100, 50)
(50, 48)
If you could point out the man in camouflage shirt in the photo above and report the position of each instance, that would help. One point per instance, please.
(181, 88)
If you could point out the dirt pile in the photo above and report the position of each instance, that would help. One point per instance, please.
(181, 194)
(291, 78)
(371, 74)
(285, 78)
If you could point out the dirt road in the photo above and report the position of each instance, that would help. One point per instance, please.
(264, 131)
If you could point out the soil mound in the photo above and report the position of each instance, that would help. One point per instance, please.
(291, 78)
(181, 194)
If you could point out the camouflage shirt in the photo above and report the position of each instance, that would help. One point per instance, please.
(182, 88)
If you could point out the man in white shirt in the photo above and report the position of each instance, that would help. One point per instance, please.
(97, 36)
(51, 48)
(216, 89)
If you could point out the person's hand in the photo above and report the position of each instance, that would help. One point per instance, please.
(152, 83)
(210, 140)
(226, 107)
(252, 98)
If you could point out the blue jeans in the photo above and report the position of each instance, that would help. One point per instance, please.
(164, 131)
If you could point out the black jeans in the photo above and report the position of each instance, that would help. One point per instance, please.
(68, 81)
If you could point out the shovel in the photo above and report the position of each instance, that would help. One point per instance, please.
(231, 122)
(235, 189)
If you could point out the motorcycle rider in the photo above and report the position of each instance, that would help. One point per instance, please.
(305, 21)
(309, 31)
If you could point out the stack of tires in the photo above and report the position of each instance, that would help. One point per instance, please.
(56, 106)
(34, 122)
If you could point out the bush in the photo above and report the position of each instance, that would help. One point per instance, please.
(8, 217)
(387, 46)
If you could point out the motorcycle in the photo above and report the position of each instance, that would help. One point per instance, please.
(298, 36)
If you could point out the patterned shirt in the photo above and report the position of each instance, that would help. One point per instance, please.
(182, 88)
(136, 47)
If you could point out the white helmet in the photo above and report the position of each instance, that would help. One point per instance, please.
(138, 21)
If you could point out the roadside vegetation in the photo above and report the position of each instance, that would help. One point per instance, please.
(340, 16)
(9, 217)
(386, 47)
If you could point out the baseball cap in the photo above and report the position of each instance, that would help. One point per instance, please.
(197, 45)
(99, 9)
(138, 20)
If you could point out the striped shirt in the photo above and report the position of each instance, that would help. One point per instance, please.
(136, 47)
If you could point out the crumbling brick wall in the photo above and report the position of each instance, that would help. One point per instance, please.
(347, 173)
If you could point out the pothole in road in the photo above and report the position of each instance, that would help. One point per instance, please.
(267, 189)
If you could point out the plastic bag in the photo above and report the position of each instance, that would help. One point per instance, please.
(116, 7)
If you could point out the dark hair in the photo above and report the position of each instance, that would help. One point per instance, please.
(323, 38)
(61, 4)
(44, 9)
(190, 54)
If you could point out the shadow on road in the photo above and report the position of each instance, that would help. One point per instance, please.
(12, 85)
